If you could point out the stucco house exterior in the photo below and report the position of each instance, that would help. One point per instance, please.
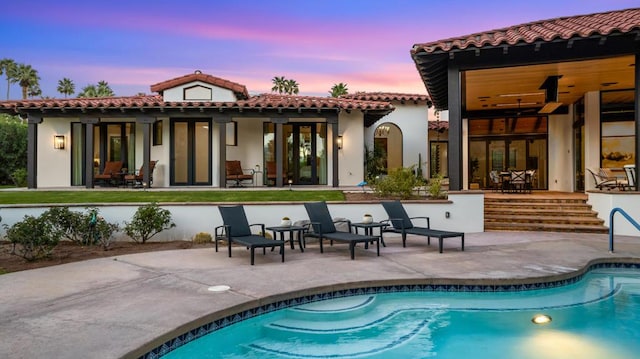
(191, 128)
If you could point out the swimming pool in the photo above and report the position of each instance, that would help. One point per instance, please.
(593, 316)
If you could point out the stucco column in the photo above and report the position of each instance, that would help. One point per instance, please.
(32, 150)
(221, 121)
(147, 123)
(279, 144)
(455, 128)
(89, 122)
(333, 121)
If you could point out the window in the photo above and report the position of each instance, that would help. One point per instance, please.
(157, 133)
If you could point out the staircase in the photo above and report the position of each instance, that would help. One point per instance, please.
(540, 211)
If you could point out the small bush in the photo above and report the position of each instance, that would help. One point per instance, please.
(19, 177)
(202, 237)
(72, 225)
(148, 221)
(399, 183)
(99, 231)
(33, 237)
(435, 187)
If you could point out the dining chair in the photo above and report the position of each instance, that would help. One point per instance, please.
(518, 180)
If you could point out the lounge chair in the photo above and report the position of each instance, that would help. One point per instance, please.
(136, 179)
(401, 223)
(630, 172)
(237, 174)
(271, 172)
(110, 174)
(236, 229)
(601, 181)
(324, 228)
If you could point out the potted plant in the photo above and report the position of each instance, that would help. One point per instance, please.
(286, 222)
(367, 218)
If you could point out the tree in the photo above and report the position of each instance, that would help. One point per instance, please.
(34, 91)
(283, 85)
(13, 147)
(66, 87)
(278, 84)
(339, 89)
(8, 67)
(291, 87)
(100, 90)
(26, 76)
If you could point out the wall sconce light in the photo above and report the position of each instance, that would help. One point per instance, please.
(339, 141)
(58, 142)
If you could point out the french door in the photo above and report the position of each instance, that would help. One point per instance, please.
(190, 152)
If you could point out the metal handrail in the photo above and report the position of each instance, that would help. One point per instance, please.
(627, 216)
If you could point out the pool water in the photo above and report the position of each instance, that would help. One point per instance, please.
(596, 317)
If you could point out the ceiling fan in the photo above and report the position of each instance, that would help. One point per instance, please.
(551, 103)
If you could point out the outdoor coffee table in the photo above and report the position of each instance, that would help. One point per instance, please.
(291, 229)
(368, 229)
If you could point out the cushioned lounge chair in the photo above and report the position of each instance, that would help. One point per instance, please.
(137, 179)
(324, 228)
(237, 174)
(603, 182)
(112, 169)
(402, 223)
(236, 229)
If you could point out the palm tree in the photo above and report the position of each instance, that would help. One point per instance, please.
(8, 67)
(26, 76)
(88, 91)
(278, 84)
(104, 90)
(66, 87)
(34, 90)
(100, 90)
(339, 89)
(291, 87)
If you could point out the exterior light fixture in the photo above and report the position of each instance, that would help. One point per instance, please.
(541, 319)
(58, 142)
(339, 141)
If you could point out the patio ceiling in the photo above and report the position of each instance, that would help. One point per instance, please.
(501, 88)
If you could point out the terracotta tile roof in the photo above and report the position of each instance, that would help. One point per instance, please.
(261, 102)
(438, 125)
(605, 23)
(387, 96)
(239, 90)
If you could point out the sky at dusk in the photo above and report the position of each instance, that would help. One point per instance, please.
(363, 43)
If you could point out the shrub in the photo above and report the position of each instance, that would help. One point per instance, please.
(435, 187)
(398, 183)
(99, 231)
(148, 221)
(202, 237)
(72, 225)
(33, 237)
(19, 177)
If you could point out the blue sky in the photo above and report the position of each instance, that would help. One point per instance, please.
(364, 43)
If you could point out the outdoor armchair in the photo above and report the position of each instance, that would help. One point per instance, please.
(237, 174)
(136, 179)
(110, 173)
(236, 229)
(401, 223)
(323, 227)
(602, 181)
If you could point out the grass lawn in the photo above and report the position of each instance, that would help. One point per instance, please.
(97, 196)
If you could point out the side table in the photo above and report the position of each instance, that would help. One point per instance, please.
(368, 229)
(291, 229)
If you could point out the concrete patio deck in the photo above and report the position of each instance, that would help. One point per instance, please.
(124, 306)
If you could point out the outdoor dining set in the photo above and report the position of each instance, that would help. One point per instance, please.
(513, 181)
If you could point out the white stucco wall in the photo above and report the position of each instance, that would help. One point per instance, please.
(351, 156)
(54, 166)
(560, 152)
(218, 94)
(412, 120)
(591, 136)
(466, 214)
(603, 203)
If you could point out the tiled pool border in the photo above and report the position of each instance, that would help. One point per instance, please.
(210, 327)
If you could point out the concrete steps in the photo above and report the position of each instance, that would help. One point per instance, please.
(545, 211)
